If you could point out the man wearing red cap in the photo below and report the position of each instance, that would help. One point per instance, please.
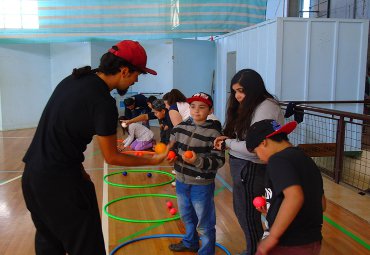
(57, 190)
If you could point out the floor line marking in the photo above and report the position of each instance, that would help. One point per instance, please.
(218, 177)
(219, 190)
(10, 180)
(92, 154)
(104, 217)
(346, 232)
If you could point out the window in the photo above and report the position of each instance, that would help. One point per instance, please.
(306, 9)
(19, 14)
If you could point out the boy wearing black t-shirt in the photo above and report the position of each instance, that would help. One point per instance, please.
(294, 192)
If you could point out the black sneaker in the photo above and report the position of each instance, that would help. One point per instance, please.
(181, 247)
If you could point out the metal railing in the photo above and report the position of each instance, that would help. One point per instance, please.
(337, 140)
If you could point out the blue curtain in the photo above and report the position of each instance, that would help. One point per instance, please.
(89, 20)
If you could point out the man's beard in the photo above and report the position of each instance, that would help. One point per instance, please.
(122, 92)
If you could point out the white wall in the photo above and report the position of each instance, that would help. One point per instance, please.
(66, 56)
(159, 53)
(194, 65)
(255, 48)
(98, 49)
(276, 8)
(24, 84)
(300, 59)
(29, 73)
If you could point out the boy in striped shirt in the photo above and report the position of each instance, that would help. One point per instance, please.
(195, 175)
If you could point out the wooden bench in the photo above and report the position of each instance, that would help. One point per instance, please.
(319, 149)
(326, 150)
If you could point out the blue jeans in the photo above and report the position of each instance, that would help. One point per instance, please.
(197, 211)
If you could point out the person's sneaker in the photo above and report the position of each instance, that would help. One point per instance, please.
(173, 171)
(181, 247)
(173, 184)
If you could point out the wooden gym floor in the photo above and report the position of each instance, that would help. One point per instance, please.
(346, 227)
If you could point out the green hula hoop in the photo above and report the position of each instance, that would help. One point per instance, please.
(139, 186)
(177, 216)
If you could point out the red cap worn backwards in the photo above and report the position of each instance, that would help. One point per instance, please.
(264, 129)
(134, 53)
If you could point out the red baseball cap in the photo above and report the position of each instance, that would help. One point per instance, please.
(202, 97)
(134, 53)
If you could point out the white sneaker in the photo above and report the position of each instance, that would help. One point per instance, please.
(173, 171)
(173, 184)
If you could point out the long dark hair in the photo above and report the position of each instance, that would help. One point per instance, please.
(239, 115)
(109, 64)
(175, 96)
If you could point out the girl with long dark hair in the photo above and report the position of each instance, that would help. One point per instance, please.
(249, 102)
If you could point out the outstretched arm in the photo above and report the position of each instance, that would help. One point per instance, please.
(113, 157)
(142, 117)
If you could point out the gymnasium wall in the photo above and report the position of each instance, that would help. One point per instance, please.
(300, 59)
(30, 72)
(24, 84)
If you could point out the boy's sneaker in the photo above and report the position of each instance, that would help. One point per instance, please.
(181, 247)
(173, 171)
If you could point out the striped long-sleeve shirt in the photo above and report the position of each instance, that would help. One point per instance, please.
(197, 138)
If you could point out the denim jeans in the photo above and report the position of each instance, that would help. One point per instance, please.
(197, 211)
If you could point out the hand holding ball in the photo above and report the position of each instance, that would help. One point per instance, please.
(259, 201)
(171, 155)
(188, 154)
(160, 148)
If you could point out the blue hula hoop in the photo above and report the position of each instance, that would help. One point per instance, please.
(223, 248)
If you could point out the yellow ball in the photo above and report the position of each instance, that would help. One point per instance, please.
(160, 148)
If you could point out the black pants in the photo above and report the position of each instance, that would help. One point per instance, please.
(65, 213)
(248, 182)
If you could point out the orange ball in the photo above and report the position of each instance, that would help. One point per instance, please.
(171, 155)
(160, 148)
(188, 154)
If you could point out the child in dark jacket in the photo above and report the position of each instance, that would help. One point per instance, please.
(165, 125)
(195, 175)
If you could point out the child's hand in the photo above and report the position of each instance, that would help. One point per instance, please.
(165, 127)
(266, 245)
(171, 160)
(158, 158)
(120, 147)
(187, 159)
(125, 123)
(262, 210)
(218, 142)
